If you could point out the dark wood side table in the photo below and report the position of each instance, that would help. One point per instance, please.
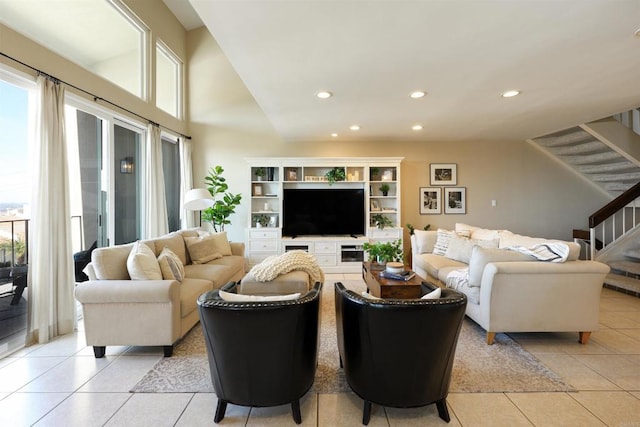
(389, 288)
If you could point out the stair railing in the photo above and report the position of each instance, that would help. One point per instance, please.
(614, 220)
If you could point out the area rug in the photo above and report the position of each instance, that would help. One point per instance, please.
(502, 367)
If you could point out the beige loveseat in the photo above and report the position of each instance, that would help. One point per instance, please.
(158, 311)
(510, 290)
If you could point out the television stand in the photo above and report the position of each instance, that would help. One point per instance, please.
(335, 254)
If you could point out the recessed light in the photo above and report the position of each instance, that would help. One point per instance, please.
(417, 94)
(334, 135)
(510, 93)
(416, 127)
(324, 94)
(354, 127)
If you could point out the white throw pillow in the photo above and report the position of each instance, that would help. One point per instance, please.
(142, 263)
(442, 241)
(435, 294)
(367, 295)
(424, 241)
(171, 265)
(229, 296)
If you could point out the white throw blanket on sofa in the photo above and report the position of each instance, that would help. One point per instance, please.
(276, 265)
(549, 252)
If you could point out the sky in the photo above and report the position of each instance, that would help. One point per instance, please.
(14, 185)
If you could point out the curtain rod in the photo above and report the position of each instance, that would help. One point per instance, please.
(96, 98)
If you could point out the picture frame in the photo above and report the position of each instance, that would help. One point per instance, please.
(455, 200)
(375, 206)
(292, 174)
(430, 200)
(257, 189)
(443, 173)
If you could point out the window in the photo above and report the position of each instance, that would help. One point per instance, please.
(168, 81)
(104, 37)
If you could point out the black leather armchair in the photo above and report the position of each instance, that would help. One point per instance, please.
(399, 353)
(261, 353)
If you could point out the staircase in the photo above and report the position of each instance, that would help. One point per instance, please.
(607, 153)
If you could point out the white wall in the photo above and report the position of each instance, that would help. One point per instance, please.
(534, 194)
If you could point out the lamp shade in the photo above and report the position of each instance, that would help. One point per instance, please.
(198, 199)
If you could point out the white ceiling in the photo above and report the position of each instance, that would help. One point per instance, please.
(573, 60)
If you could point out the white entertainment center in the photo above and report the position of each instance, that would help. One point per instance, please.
(269, 177)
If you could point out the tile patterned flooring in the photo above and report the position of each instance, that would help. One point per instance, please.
(62, 384)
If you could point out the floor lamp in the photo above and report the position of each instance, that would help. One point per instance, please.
(198, 199)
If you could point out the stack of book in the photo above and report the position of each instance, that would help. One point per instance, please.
(405, 275)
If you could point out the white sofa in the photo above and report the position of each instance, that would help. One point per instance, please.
(154, 310)
(508, 290)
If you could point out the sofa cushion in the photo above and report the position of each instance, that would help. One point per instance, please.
(202, 249)
(460, 247)
(190, 290)
(217, 274)
(110, 263)
(173, 241)
(432, 263)
(170, 265)
(142, 263)
(480, 257)
(477, 233)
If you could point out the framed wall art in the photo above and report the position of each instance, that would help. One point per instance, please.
(455, 200)
(444, 173)
(430, 200)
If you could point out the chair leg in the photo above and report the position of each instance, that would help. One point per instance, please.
(168, 350)
(99, 351)
(295, 411)
(443, 411)
(366, 413)
(220, 410)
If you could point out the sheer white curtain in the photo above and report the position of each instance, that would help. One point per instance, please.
(51, 279)
(156, 221)
(186, 183)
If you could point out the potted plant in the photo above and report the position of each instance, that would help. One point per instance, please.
(335, 175)
(412, 229)
(374, 174)
(218, 214)
(381, 221)
(260, 172)
(261, 220)
(384, 188)
(383, 252)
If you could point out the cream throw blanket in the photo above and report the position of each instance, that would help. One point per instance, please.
(276, 265)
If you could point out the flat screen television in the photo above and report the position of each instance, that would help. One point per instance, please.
(323, 212)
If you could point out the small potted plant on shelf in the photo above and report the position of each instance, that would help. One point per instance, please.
(335, 175)
(381, 221)
(261, 220)
(260, 173)
(384, 189)
(384, 252)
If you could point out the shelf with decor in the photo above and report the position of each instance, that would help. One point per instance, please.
(323, 184)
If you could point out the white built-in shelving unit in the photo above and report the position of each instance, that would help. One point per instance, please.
(334, 253)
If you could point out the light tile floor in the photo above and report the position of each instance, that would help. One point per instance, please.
(62, 384)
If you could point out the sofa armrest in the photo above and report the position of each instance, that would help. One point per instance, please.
(541, 296)
(127, 291)
(237, 248)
